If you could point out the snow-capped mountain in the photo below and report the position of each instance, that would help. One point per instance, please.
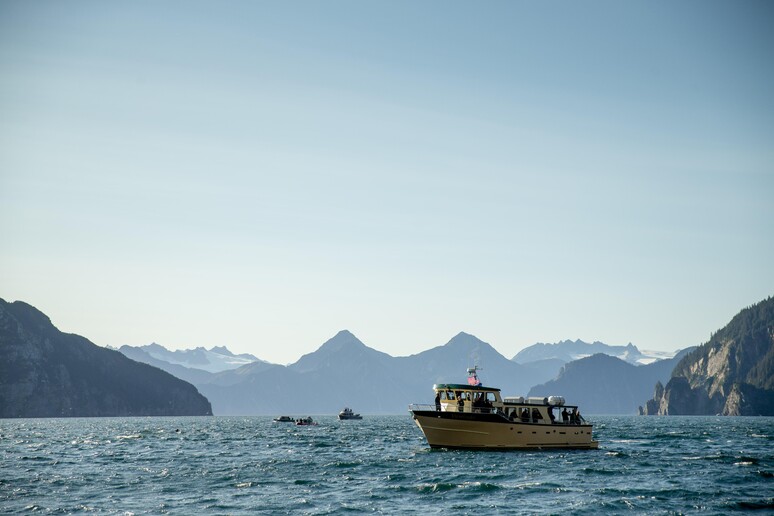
(569, 350)
(214, 360)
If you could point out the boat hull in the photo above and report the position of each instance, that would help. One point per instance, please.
(492, 431)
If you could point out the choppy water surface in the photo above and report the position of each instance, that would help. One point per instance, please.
(234, 465)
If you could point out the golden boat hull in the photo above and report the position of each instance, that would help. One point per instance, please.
(492, 431)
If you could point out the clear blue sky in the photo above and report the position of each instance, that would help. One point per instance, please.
(261, 175)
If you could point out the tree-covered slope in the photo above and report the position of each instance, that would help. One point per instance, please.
(47, 373)
(731, 374)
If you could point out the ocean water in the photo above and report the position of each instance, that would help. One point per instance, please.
(249, 465)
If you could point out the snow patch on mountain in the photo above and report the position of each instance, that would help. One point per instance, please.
(569, 351)
(214, 360)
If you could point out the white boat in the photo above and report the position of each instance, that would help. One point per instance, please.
(477, 417)
(348, 414)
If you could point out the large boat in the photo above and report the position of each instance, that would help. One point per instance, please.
(348, 414)
(477, 417)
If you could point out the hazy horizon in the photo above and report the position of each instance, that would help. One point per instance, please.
(263, 175)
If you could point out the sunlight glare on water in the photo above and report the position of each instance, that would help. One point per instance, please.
(246, 465)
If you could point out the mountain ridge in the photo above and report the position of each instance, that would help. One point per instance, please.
(343, 371)
(569, 350)
(48, 373)
(731, 374)
(344, 364)
(604, 384)
(214, 360)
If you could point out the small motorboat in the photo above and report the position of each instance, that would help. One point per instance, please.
(348, 414)
(284, 419)
(306, 421)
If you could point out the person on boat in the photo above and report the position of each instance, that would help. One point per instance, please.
(525, 415)
(536, 415)
(565, 416)
(551, 415)
(460, 402)
(437, 401)
(478, 403)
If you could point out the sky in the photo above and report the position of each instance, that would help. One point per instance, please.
(261, 175)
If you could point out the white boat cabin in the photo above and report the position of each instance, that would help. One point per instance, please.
(477, 399)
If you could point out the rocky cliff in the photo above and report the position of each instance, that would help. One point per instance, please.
(47, 373)
(732, 374)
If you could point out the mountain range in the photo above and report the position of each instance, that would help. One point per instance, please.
(569, 351)
(603, 384)
(344, 371)
(44, 372)
(213, 360)
(47, 373)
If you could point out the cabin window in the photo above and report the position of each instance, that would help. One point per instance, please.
(482, 401)
(450, 395)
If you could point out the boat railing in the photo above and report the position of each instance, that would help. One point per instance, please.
(494, 410)
(421, 406)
